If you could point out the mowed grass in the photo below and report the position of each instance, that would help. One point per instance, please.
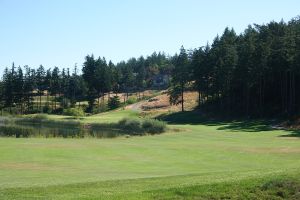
(196, 160)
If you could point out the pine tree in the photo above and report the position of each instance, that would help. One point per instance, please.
(40, 82)
(181, 76)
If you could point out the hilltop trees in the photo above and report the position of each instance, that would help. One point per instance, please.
(22, 88)
(255, 73)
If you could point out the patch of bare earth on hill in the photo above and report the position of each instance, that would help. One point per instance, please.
(160, 104)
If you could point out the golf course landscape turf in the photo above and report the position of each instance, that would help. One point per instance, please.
(189, 161)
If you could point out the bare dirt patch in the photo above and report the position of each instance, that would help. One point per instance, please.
(161, 103)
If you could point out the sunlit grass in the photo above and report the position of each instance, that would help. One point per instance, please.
(195, 155)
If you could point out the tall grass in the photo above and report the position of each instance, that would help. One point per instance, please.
(133, 126)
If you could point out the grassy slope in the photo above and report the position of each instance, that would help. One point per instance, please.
(127, 167)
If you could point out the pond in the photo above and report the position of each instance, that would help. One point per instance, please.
(27, 130)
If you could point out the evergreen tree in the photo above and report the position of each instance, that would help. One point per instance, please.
(181, 76)
(40, 82)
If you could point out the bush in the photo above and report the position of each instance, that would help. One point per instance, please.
(114, 102)
(130, 125)
(135, 126)
(58, 111)
(75, 112)
(153, 126)
(46, 109)
(101, 108)
(131, 100)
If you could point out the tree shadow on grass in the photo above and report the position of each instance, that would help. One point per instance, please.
(293, 133)
(198, 118)
(248, 126)
(190, 117)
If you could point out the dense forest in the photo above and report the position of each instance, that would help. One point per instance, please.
(254, 73)
(63, 88)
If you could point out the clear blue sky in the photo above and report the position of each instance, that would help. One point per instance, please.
(62, 32)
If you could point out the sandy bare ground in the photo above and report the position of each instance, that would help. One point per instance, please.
(161, 103)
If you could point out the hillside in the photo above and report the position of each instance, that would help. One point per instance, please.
(161, 104)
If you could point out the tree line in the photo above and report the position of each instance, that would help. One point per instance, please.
(24, 89)
(254, 73)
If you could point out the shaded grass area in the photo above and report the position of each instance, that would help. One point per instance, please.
(269, 187)
(293, 134)
(233, 125)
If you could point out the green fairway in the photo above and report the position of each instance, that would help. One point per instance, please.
(124, 167)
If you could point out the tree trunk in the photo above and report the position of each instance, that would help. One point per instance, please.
(40, 102)
(52, 104)
(47, 98)
(247, 101)
(55, 101)
(99, 101)
(182, 98)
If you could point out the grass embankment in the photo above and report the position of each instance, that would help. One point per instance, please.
(211, 160)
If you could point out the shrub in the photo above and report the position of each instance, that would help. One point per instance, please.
(58, 111)
(47, 109)
(101, 108)
(130, 125)
(114, 102)
(153, 126)
(75, 112)
(135, 126)
(131, 100)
